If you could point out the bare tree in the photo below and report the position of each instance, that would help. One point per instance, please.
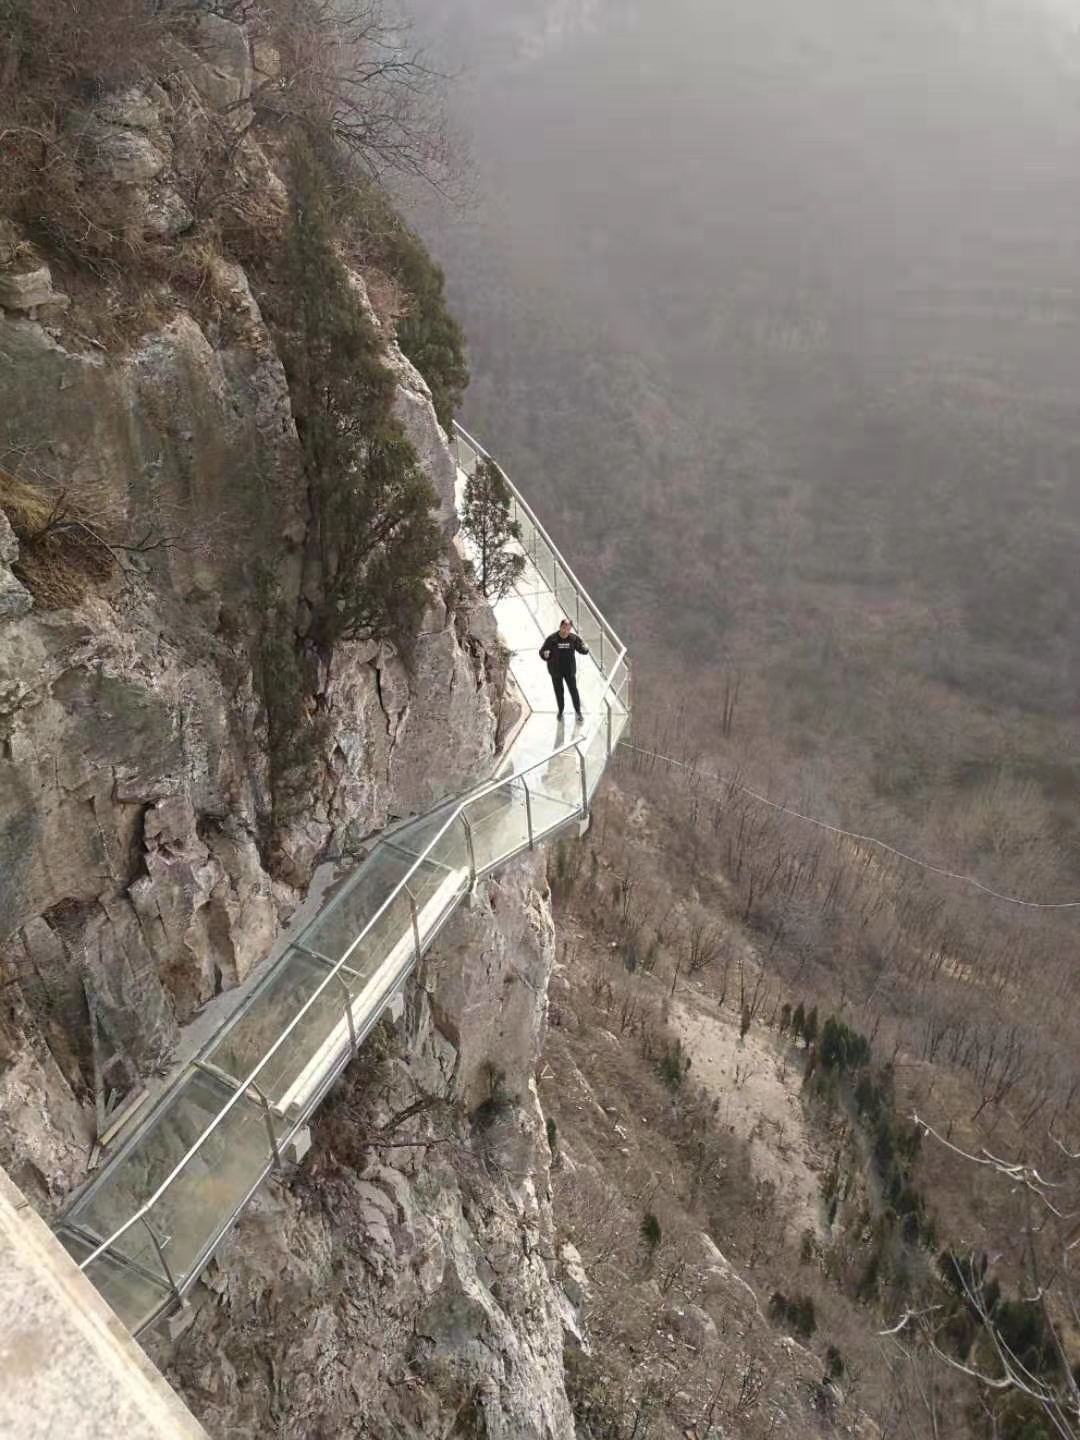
(1050, 1245)
(348, 69)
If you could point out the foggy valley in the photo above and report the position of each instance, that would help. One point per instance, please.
(386, 1052)
(775, 306)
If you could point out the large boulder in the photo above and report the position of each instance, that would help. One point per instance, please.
(26, 290)
(117, 154)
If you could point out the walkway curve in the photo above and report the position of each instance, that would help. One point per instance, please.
(146, 1224)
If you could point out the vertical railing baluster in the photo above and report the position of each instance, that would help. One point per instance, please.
(607, 707)
(160, 1249)
(265, 1103)
(584, 779)
(415, 922)
(528, 813)
(471, 847)
(349, 1015)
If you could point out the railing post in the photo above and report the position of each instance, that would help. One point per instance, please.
(528, 813)
(160, 1249)
(349, 1015)
(269, 1124)
(584, 779)
(607, 707)
(601, 662)
(471, 847)
(415, 923)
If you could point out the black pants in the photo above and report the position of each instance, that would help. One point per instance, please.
(558, 678)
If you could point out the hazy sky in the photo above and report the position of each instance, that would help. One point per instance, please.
(841, 237)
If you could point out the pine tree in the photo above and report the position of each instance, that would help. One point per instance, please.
(810, 1029)
(377, 540)
(487, 522)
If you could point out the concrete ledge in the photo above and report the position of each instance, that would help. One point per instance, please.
(69, 1366)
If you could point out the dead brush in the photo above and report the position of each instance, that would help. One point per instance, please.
(61, 556)
(56, 57)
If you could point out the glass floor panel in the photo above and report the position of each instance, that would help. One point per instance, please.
(135, 1297)
(332, 932)
(295, 979)
(414, 836)
(500, 825)
(202, 1196)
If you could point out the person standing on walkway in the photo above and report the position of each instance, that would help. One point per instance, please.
(561, 651)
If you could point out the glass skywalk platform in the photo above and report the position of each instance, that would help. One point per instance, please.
(146, 1224)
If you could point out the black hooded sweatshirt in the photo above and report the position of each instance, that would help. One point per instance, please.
(561, 652)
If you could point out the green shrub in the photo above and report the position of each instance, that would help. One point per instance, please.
(552, 1136)
(673, 1064)
(651, 1234)
(797, 1313)
(427, 333)
(486, 520)
(376, 538)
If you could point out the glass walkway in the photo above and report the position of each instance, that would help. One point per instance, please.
(146, 1224)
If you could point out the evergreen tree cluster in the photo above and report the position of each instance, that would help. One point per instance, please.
(796, 1313)
(841, 1069)
(427, 332)
(372, 525)
(487, 520)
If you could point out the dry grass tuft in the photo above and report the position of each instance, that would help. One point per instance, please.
(61, 557)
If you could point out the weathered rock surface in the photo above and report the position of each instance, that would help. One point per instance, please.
(397, 1284)
(14, 597)
(29, 290)
(224, 73)
(133, 767)
(165, 213)
(117, 154)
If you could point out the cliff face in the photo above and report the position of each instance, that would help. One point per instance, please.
(400, 1281)
(133, 769)
(141, 867)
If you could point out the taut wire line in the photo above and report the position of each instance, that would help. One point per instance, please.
(852, 834)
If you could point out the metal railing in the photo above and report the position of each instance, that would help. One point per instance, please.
(253, 1086)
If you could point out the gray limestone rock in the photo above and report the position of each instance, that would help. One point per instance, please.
(575, 1281)
(222, 70)
(165, 213)
(9, 546)
(136, 836)
(116, 153)
(15, 599)
(137, 108)
(27, 289)
(692, 1324)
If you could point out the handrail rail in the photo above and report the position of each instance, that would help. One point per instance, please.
(520, 500)
(464, 803)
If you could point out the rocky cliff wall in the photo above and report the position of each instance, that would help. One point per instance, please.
(401, 1282)
(133, 764)
(141, 871)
